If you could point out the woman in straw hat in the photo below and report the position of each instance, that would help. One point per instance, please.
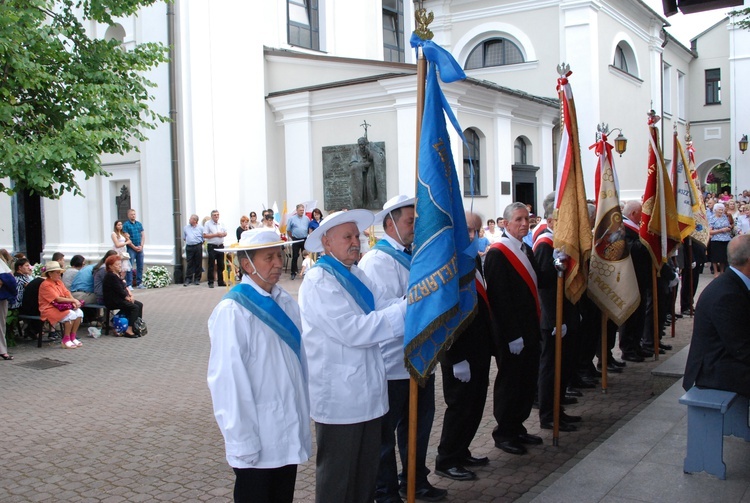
(257, 374)
(53, 298)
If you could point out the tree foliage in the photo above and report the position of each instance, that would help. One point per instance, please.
(67, 98)
(741, 17)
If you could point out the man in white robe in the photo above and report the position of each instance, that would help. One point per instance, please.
(257, 375)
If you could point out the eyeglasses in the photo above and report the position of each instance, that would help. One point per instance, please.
(268, 217)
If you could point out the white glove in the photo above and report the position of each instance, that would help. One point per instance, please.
(564, 330)
(462, 371)
(693, 265)
(516, 346)
(674, 282)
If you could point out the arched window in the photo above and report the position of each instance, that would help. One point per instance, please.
(494, 52)
(519, 151)
(472, 180)
(624, 59)
(116, 32)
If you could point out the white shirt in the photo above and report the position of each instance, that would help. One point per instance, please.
(258, 386)
(393, 278)
(214, 228)
(347, 373)
(493, 237)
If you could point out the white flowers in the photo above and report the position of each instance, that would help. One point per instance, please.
(156, 277)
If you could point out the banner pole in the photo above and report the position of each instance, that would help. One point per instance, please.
(655, 309)
(690, 273)
(558, 357)
(605, 352)
(411, 450)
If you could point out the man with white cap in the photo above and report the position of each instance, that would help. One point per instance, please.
(257, 374)
(387, 265)
(345, 317)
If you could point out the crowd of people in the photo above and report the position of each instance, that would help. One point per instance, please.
(59, 294)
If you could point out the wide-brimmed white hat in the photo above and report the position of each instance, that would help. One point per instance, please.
(52, 265)
(362, 218)
(256, 239)
(394, 203)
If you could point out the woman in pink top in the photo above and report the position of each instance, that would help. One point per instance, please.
(52, 290)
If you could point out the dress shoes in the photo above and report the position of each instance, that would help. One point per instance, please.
(456, 473)
(426, 493)
(511, 447)
(573, 392)
(568, 400)
(618, 363)
(294, 275)
(632, 357)
(210, 285)
(569, 419)
(529, 439)
(611, 368)
(666, 347)
(472, 461)
(563, 426)
(583, 383)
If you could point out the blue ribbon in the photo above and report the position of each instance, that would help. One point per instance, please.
(401, 257)
(352, 284)
(450, 70)
(269, 312)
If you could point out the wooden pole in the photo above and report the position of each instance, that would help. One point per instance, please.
(689, 259)
(411, 450)
(655, 309)
(605, 352)
(558, 357)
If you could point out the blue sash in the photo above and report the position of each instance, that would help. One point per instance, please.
(352, 284)
(401, 257)
(269, 312)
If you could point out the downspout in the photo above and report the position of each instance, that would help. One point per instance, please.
(175, 160)
(661, 89)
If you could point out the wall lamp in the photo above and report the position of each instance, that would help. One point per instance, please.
(621, 143)
(743, 143)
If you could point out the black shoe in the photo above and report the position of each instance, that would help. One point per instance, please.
(686, 312)
(210, 285)
(456, 473)
(618, 363)
(583, 383)
(186, 284)
(568, 400)
(511, 447)
(595, 374)
(678, 315)
(632, 357)
(562, 427)
(223, 285)
(529, 439)
(472, 461)
(427, 493)
(569, 419)
(667, 347)
(573, 392)
(611, 367)
(196, 282)
(294, 275)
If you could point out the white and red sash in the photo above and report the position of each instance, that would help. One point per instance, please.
(630, 225)
(522, 265)
(544, 237)
(540, 227)
(481, 289)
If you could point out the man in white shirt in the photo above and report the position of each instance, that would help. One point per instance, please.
(257, 375)
(214, 233)
(297, 230)
(344, 319)
(387, 265)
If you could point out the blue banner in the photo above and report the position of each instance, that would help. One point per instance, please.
(442, 294)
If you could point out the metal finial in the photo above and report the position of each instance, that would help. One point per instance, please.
(365, 125)
(423, 20)
(563, 69)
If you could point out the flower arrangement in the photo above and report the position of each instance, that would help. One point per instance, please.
(36, 271)
(156, 277)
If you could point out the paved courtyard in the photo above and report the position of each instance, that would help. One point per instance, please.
(131, 419)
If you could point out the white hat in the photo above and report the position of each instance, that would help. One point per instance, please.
(256, 239)
(363, 219)
(394, 203)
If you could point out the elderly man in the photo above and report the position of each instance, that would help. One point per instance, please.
(387, 265)
(511, 274)
(466, 370)
(192, 233)
(214, 233)
(257, 375)
(297, 230)
(345, 317)
(719, 355)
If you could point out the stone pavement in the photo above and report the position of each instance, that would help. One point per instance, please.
(131, 419)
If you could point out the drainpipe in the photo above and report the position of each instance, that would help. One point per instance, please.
(175, 160)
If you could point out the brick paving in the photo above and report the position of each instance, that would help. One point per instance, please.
(131, 419)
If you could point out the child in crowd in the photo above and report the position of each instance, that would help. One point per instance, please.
(307, 262)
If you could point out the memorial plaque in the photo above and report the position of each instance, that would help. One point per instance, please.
(354, 176)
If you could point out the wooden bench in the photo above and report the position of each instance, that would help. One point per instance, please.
(43, 325)
(712, 415)
(105, 318)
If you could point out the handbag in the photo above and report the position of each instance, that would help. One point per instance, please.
(139, 327)
(65, 306)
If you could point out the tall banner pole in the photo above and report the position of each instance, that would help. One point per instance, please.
(689, 262)
(560, 266)
(655, 309)
(411, 450)
(605, 352)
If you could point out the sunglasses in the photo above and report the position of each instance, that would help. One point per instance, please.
(268, 217)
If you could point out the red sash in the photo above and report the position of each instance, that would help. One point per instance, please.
(481, 290)
(631, 225)
(545, 238)
(521, 269)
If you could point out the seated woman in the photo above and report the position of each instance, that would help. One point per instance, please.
(52, 292)
(99, 272)
(22, 273)
(117, 296)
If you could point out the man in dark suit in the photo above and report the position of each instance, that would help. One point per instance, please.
(511, 275)
(466, 369)
(719, 355)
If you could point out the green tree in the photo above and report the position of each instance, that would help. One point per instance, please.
(741, 17)
(67, 98)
